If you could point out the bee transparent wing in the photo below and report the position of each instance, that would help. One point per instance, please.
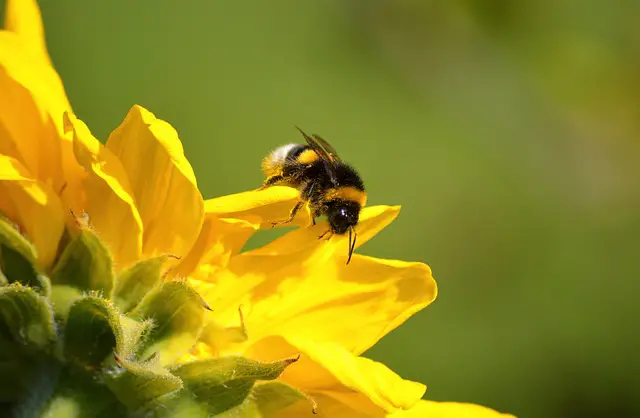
(317, 147)
(326, 147)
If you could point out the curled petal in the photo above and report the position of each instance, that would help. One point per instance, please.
(219, 239)
(330, 370)
(162, 181)
(372, 220)
(262, 207)
(33, 206)
(109, 201)
(319, 298)
(449, 410)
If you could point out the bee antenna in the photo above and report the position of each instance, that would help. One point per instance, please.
(352, 243)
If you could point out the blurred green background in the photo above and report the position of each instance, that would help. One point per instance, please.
(507, 130)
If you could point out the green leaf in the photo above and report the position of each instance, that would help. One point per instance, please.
(177, 311)
(139, 385)
(224, 383)
(136, 281)
(26, 316)
(18, 258)
(85, 264)
(92, 332)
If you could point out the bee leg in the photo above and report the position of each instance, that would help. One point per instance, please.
(270, 181)
(308, 196)
(292, 214)
(328, 231)
(312, 220)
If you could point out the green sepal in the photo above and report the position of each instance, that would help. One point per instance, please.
(92, 332)
(27, 336)
(271, 397)
(11, 237)
(182, 406)
(177, 311)
(79, 395)
(267, 399)
(136, 281)
(85, 264)
(139, 386)
(62, 298)
(224, 383)
(133, 332)
(18, 258)
(43, 285)
(26, 316)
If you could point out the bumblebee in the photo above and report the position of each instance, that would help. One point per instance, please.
(330, 187)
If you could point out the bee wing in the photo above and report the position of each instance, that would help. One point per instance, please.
(326, 147)
(328, 157)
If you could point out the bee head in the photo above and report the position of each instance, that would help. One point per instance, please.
(342, 215)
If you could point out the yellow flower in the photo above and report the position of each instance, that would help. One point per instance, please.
(293, 296)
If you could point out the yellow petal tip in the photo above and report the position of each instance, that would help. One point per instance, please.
(143, 113)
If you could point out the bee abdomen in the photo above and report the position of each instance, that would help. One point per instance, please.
(347, 193)
(273, 164)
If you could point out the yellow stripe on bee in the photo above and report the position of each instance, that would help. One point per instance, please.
(307, 156)
(349, 193)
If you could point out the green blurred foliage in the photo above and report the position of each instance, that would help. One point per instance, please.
(507, 130)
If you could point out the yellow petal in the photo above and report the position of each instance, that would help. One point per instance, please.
(163, 183)
(329, 369)
(449, 410)
(307, 295)
(30, 135)
(22, 17)
(41, 80)
(334, 404)
(109, 201)
(219, 239)
(372, 220)
(260, 207)
(34, 206)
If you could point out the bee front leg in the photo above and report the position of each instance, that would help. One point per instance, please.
(270, 181)
(327, 233)
(292, 214)
(308, 195)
